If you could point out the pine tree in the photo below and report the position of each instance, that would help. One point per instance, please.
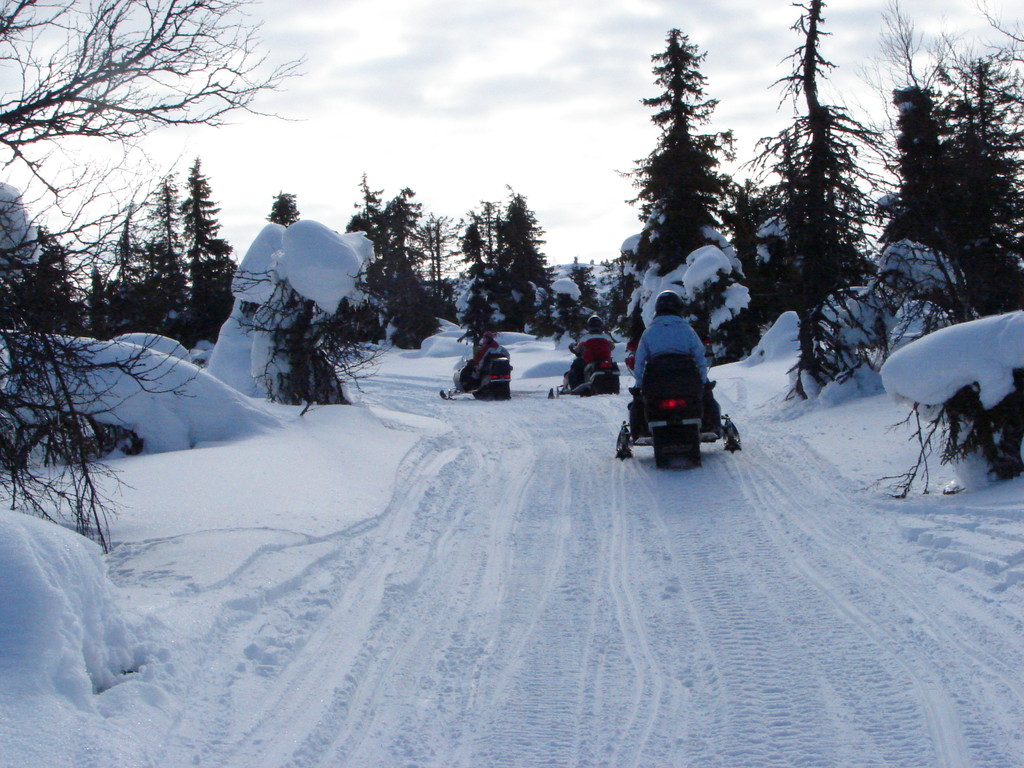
(284, 211)
(821, 211)
(678, 185)
(164, 283)
(393, 280)
(770, 278)
(680, 190)
(521, 266)
(584, 278)
(477, 309)
(438, 239)
(210, 266)
(956, 224)
(984, 108)
(49, 293)
(119, 302)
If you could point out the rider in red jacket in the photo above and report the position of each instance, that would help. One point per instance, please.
(595, 346)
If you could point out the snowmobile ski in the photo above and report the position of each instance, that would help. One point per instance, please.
(731, 435)
(622, 449)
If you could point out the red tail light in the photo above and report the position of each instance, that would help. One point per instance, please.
(605, 366)
(672, 405)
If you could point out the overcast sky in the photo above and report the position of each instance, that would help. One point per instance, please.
(460, 99)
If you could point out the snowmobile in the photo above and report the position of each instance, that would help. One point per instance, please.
(495, 382)
(668, 414)
(599, 378)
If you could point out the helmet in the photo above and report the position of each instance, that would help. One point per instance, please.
(595, 324)
(668, 303)
(487, 336)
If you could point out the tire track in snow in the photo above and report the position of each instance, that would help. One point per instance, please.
(304, 630)
(753, 702)
(953, 675)
(527, 600)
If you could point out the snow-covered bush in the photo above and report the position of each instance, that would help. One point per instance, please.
(18, 236)
(295, 331)
(708, 281)
(968, 382)
(252, 286)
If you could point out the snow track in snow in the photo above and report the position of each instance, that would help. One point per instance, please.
(527, 600)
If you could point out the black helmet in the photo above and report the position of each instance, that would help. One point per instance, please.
(595, 324)
(668, 303)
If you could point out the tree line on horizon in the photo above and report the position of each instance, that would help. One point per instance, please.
(805, 230)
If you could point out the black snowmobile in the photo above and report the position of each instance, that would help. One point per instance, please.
(668, 413)
(599, 378)
(494, 382)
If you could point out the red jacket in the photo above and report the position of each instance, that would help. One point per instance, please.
(485, 348)
(595, 347)
(631, 346)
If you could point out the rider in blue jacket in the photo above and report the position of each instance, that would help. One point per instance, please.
(669, 333)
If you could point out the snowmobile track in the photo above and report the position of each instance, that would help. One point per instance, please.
(526, 599)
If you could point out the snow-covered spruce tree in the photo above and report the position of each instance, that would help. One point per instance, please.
(563, 312)
(308, 337)
(164, 280)
(438, 238)
(678, 184)
(210, 266)
(620, 287)
(583, 276)
(284, 210)
(522, 274)
(771, 282)
(983, 108)
(918, 287)
(967, 383)
(954, 230)
(821, 212)
(476, 307)
(393, 281)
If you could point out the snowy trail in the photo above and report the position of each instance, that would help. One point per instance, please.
(527, 600)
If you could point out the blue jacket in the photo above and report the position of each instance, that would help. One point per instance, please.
(669, 334)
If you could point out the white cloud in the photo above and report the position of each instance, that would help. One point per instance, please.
(458, 98)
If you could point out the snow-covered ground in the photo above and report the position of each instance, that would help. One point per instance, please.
(412, 582)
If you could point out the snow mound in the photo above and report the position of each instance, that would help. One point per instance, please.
(252, 280)
(17, 235)
(441, 345)
(156, 343)
(231, 359)
(935, 367)
(60, 628)
(564, 286)
(511, 339)
(321, 264)
(546, 369)
(703, 266)
(444, 343)
(779, 342)
(170, 403)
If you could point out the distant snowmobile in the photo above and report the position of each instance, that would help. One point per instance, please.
(592, 371)
(494, 381)
(600, 377)
(668, 413)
